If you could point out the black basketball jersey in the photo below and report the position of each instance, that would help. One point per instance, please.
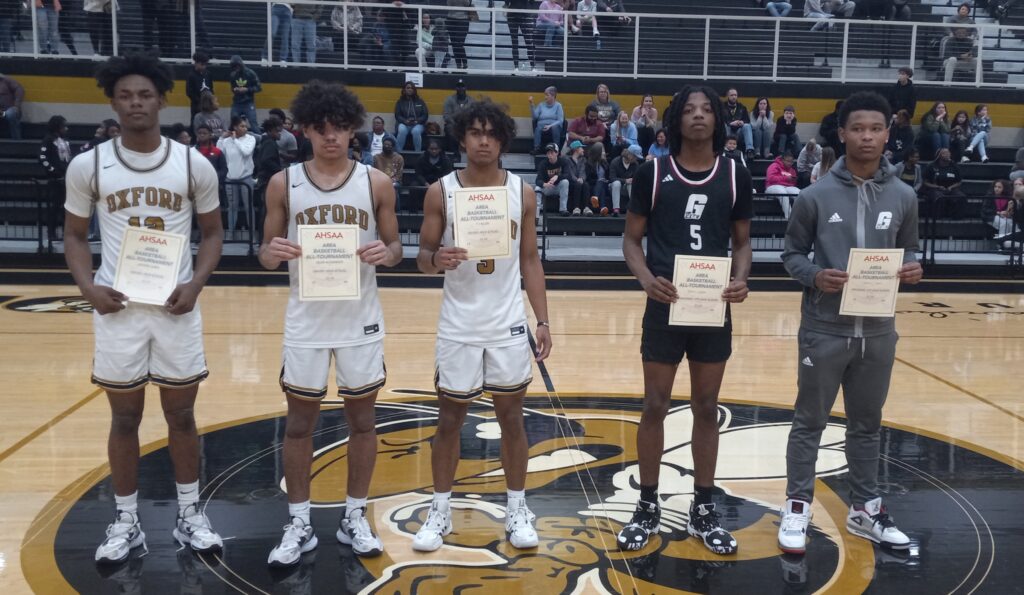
(688, 213)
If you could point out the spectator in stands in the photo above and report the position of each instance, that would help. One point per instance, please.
(428, 44)
(244, 87)
(380, 33)
(786, 138)
(607, 108)
(287, 144)
(623, 134)
(732, 151)
(208, 115)
(107, 130)
(180, 133)
(207, 147)
(612, 25)
(962, 17)
(98, 22)
(457, 23)
(776, 9)
(781, 181)
(432, 165)
(280, 31)
(809, 156)
(588, 128)
(360, 40)
(47, 25)
(358, 150)
(377, 136)
(1002, 216)
(576, 173)
(660, 146)
(910, 171)
(762, 125)
(941, 190)
(10, 10)
(304, 18)
(54, 156)
(960, 136)
(645, 116)
(981, 126)
(901, 138)
(934, 132)
(587, 19)
(828, 130)
(410, 117)
(522, 23)
(597, 177)
(903, 95)
(266, 163)
(828, 159)
(238, 147)
(1018, 166)
(822, 10)
(959, 54)
(199, 80)
(391, 163)
(548, 116)
(452, 105)
(737, 120)
(11, 96)
(621, 172)
(899, 10)
(552, 180)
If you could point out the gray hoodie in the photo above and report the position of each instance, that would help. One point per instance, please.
(834, 215)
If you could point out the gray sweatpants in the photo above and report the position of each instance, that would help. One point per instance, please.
(862, 367)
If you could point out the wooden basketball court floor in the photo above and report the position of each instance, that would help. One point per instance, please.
(953, 456)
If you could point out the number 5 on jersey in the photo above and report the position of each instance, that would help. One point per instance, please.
(486, 267)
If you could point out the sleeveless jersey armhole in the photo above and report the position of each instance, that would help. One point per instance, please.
(96, 175)
(191, 182)
(287, 194)
(732, 178)
(444, 202)
(656, 185)
(369, 186)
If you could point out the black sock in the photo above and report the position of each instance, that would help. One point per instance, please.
(649, 493)
(702, 495)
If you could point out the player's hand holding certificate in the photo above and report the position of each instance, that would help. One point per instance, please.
(482, 225)
(873, 283)
(329, 266)
(149, 265)
(699, 281)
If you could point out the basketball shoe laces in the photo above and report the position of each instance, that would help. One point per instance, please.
(294, 534)
(883, 519)
(643, 516)
(435, 520)
(706, 523)
(795, 523)
(360, 526)
(520, 518)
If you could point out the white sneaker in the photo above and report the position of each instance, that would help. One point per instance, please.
(123, 535)
(576, 212)
(194, 530)
(519, 527)
(796, 515)
(430, 537)
(872, 521)
(355, 530)
(587, 212)
(298, 539)
(965, 159)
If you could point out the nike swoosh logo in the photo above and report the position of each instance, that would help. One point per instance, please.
(109, 166)
(297, 185)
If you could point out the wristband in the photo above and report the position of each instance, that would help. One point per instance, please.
(543, 323)
(432, 263)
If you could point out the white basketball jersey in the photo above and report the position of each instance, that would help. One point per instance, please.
(140, 190)
(338, 323)
(482, 302)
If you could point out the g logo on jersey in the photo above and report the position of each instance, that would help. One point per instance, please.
(695, 206)
(884, 220)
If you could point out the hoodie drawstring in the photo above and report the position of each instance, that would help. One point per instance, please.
(863, 345)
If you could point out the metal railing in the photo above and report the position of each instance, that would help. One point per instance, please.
(368, 36)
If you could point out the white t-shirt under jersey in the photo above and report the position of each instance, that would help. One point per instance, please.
(141, 190)
(482, 301)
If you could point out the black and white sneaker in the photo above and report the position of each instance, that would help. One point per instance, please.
(704, 525)
(872, 521)
(123, 535)
(646, 520)
(354, 530)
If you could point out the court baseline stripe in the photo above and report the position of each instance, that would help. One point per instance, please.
(41, 429)
(955, 386)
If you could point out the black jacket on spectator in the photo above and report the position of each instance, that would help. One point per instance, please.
(618, 170)
(546, 169)
(944, 176)
(195, 84)
(737, 112)
(903, 97)
(415, 109)
(901, 141)
(829, 131)
(782, 128)
(266, 161)
(51, 160)
(427, 173)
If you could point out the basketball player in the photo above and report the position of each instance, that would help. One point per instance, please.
(330, 189)
(861, 203)
(143, 179)
(482, 343)
(693, 201)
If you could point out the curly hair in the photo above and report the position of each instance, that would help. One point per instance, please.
(145, 65)
(318, 103)
(674, 118)
(869, 101)
(485, 111)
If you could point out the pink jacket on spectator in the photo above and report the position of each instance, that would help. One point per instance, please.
(549, 13)
(780, 175)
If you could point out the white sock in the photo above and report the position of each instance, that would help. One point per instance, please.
(299, 510)
(188, 494)
(129, 503)
(353, 504)
(443, 500)
(515, 498)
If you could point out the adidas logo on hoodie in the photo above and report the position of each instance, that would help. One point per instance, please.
(835, 218)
